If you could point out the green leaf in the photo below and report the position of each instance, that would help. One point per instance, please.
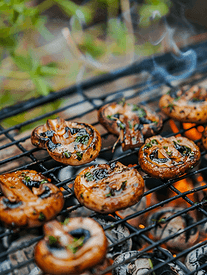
(68, 7)
(42, 86)
(48, 71)
(23, 62)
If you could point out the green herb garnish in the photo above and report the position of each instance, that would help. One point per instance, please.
(130, 125)
(154, 141)
(41, 216)
(120, 124)
(171, 106)
(139, 111)
(77, 243)
(67, 154)
(82, 139)
(66, 221)
(89, 176)
(52, 240)
(165, 147)
(43, 181)
(148, 145)
(79, 155)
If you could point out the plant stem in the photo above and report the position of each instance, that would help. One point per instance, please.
(45, 5)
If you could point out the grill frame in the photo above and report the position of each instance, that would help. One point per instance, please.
(83, 90)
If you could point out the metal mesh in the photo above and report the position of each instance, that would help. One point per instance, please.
(138, 83)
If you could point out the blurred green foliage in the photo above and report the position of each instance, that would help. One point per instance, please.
(27, 69)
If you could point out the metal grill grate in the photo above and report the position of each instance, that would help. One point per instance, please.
(140, 82)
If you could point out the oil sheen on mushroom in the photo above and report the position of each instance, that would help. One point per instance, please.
(68, 142)
(107, 188)
(130, 122)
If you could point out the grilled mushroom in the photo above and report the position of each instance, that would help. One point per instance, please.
(72, 247)
(29, 199)
(177, 224)
(186, 106)
(166, 158)
(108, 188)
(68, 142)
(130, 122)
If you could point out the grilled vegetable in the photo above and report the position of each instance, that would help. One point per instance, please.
(68, 142)
(130, 122)
(72, 247)
(186, 106)
(29, 199)
(109, 187)
(167, 158)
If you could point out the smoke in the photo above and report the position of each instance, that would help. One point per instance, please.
(158, 30)
(188, 58)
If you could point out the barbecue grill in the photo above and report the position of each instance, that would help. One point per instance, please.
(149, 79)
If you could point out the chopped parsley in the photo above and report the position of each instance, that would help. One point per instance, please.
(76, 244)
(89, 176)
(66, 221)
(120, 125)
(43, 181)
(67, 154)
(139, 111)
(108, 195)
(52, 240)
(155, 122)
(82, 139)
(148, 145)
(169, 153)
(79, 155)
(171, 106)
(165, 147)
(130, 125)
(154, 141)
(151, 143)
(41, 216)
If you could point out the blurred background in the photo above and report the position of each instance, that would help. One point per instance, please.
(49, 45)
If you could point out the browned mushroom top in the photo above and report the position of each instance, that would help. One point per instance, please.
(29, 199)
(167, 158)
(108, 188)
(71, 247)
(130, 122)
(68, 142)
(186, 106)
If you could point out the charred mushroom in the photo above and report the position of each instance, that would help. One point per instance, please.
(68, 142)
